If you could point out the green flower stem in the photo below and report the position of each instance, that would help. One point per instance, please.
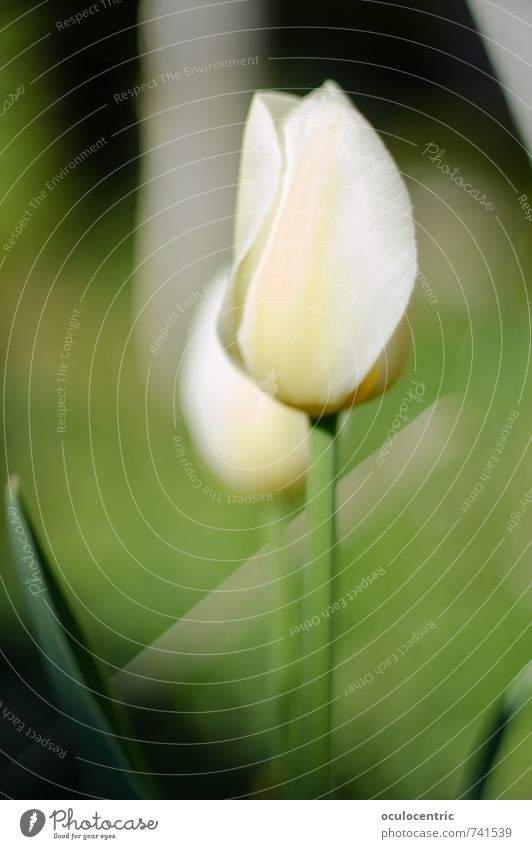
(318, 592)
(281, 618)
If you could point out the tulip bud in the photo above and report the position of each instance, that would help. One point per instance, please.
(324, 253)
(248, 439)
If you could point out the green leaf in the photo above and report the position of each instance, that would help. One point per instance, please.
(517, 695)
(100, 729)
(519, 691)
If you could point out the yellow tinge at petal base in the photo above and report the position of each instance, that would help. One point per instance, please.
(324, 273)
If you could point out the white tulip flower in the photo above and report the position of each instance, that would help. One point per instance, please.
(324, 253)
(252, 443)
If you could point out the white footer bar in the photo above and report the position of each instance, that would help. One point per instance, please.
(267, 824)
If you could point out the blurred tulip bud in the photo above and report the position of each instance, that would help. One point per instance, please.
(324, 253)
(248, 439)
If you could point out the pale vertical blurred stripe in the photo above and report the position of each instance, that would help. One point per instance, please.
(191, 130)
(507, 36)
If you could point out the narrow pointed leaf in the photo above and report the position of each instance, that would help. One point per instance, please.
(82, 695)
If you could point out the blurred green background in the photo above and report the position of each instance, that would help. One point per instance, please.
(136, 548)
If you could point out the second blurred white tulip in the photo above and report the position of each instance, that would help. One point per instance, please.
(250, 441)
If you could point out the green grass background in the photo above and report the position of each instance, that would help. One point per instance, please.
(132, 564)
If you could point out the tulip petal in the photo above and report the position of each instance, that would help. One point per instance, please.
(260, 165)
(331, 279)
(391, 360)
(259, 179)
